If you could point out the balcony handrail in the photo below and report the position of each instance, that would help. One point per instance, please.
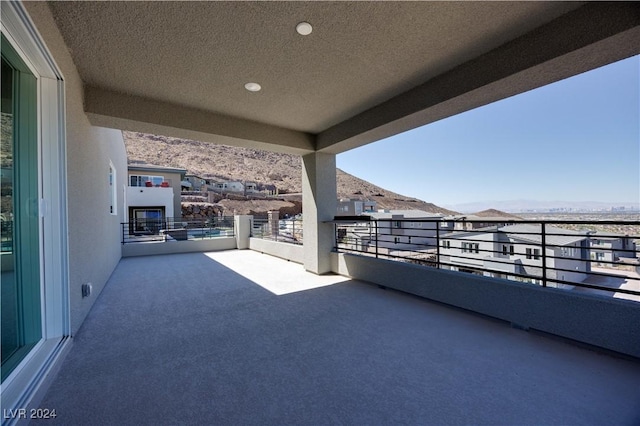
(164, 229)
(166, 183)
(542, 255)
(287, 230)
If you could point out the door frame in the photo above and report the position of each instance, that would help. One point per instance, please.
(20, 388)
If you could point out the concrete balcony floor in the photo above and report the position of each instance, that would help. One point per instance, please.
(239, 337)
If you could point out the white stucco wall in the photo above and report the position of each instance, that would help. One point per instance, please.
(413, 235)
(234, 186)
(570, 266)
(581, 317)
(174, 179)
(138, 196)
(94, 233)
(485, 243)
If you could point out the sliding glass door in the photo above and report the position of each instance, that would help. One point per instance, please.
(20, 254)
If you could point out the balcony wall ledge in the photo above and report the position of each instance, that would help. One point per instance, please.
(287, 251)
(154, 248)
(609, 323)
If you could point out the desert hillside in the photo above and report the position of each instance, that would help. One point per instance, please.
(209, 160)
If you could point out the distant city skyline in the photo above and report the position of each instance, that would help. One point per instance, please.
(574, 140)
(520, 206)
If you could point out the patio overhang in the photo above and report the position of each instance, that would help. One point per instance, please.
(369, 70)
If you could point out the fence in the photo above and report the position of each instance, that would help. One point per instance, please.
(178, 229)
(598, 256)
(283, 230)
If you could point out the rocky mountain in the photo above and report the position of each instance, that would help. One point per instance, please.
(209, 160)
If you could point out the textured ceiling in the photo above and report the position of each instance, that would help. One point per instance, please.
(199, 55)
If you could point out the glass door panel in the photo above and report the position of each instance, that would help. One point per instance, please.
(147, 220)
(20, 250)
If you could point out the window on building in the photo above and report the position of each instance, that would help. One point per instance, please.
(446, 244)
(147, 220)
(533, 253)
(397, 224)
(511, 250)
(504, 250)
(141, 180)
(470, 247)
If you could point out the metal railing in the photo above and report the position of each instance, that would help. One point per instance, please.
(282, 230)
(149, 181)
(176, 229)
(592, 256)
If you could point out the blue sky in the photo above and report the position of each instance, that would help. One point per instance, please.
(574, 140)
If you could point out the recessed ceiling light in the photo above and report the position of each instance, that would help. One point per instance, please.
(253, 87)
(304, 28)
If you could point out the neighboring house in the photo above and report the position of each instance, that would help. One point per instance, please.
(270, 189)
(508, 251)
(250, 187)
(470, 221)
(196, 183)
(607, 247)
(349, 207)
(153, 193)
(413, 230)
(229, 186)
(246, 187)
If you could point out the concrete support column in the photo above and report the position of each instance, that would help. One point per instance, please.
(242, 230)
(318, 205)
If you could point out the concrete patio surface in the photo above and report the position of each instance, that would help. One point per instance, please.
(242, 338)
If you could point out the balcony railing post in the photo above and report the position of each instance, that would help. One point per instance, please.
(438, 244)
(544, 254)
(377, 236)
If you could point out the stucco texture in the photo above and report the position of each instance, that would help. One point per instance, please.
(94, 233)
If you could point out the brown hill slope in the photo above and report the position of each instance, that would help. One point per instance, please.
(349, 186)
(230, 163)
